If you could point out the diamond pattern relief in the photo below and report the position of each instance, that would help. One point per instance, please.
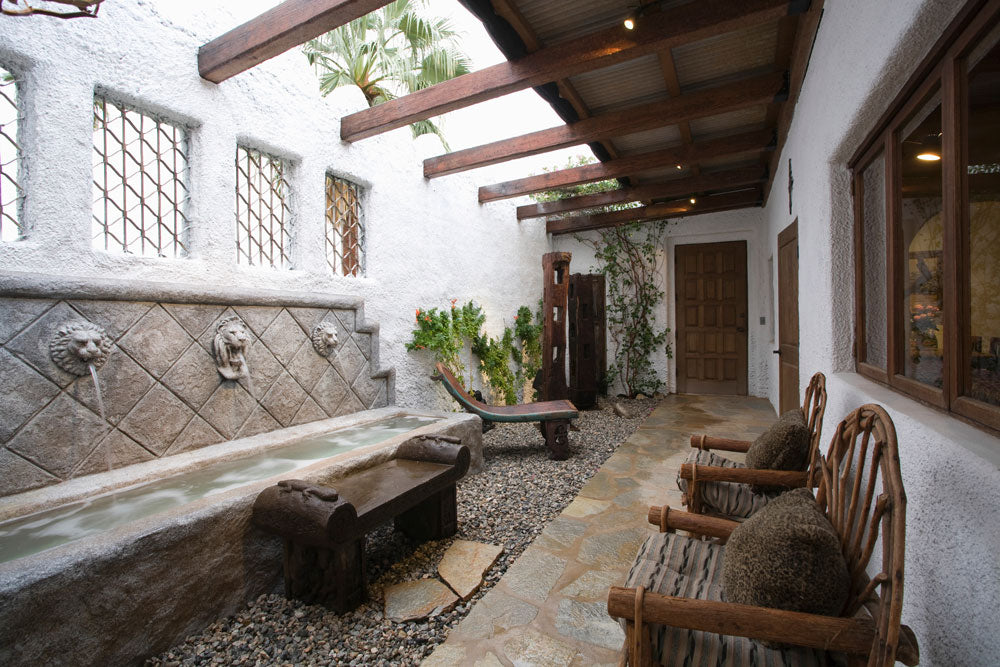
(194, 377)
(284, 337)
(228, 408)
(259, 422)
(351, 404)
(17, 475)
(330, 391)
(115, 317)
(196, 434)
(284, 399)
(24, 393)
(156, 342)
(258, 318)
(119, 448)
(349, 361)
(308, 318)
(309, 412)
(348, 318)
(382, 400)
(59, 437)
(157, 420)
(364, 342)
(307, 366)
(365, 387)
(264, 369)
(194, 317)
(15, 314)
(32, 344)
(123, 383)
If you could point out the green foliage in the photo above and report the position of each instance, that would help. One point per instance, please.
(445, 333)
(390, 52)
(583, 188)
(631, 270)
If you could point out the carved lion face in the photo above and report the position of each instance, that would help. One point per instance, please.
(78, 345)
(231, 342)
(324, 338)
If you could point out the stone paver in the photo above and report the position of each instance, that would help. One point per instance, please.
(414, 600)
(464, 563)
(550, 607)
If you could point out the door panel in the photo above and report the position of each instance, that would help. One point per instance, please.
(711, 286)
(788, 318)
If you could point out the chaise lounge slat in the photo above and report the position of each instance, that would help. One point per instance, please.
(553, 415)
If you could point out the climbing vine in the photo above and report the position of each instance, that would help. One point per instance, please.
(630, 262)
(445, 332)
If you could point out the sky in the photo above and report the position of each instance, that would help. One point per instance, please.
(501, 118)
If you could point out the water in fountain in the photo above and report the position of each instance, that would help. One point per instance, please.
(104, 416)
(28, 535)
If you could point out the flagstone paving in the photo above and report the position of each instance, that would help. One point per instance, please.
(550, 607)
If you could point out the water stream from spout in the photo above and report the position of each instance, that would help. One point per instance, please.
(104, 416)
(247, 374)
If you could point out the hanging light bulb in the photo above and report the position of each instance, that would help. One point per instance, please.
(629, 23)
(693, 200)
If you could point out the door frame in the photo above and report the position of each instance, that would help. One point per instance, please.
(785, 236)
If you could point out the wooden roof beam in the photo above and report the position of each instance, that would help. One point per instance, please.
(759, 90)
(681, 187)
(676, 209)
(590, 173)
(284, 27)
(656, 31)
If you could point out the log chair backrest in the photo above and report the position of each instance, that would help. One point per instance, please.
(861, 491)
(813, 409)
(457, 387)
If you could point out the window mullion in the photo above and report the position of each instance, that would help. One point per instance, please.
(955, 253)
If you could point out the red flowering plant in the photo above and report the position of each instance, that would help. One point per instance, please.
(445, 333)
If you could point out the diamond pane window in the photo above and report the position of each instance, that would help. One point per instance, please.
(10, 192)
(140, 182)
(262, 213)
(345, 229)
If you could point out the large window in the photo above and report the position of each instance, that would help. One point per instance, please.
(927, 228)
(140, 182)
(262, 213)
(10, 192)
(345, 229)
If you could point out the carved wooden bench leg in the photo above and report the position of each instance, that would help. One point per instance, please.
(434, 518)
(333, 577)
(557, 438)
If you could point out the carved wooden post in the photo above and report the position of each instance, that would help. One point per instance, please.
(587, 358)
(555, 276)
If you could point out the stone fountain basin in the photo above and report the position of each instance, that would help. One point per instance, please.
(135, 590)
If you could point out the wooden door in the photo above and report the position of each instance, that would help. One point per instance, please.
(711, 282)
(788, 317)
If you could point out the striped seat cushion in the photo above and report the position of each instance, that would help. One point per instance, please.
(726, 498)
(684, 567)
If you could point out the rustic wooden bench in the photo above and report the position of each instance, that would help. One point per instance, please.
(553, 416)
(324, 528)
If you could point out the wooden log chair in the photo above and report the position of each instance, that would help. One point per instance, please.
(554, 416)
(674, 604)
(716, 485)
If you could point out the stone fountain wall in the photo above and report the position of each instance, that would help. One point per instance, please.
(162, 391)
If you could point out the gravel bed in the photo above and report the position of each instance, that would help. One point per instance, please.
(509, 503)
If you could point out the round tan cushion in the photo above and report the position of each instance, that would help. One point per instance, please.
(787, 556)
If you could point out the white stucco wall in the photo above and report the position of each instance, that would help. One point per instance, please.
(743, 225)
(427, 241)
(864, 52)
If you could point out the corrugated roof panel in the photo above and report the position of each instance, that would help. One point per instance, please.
(663, 174)
(724, 55)
(650, 140)
(742, 119)
(747, 159)
(557, 20)
(622, 85)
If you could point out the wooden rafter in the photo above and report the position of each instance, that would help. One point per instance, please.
(730, 97)
(291, 23)
(604, 48)
(681, 187)
(591, 173)
(676, 209)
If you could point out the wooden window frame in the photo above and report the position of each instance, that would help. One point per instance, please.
(942, 70)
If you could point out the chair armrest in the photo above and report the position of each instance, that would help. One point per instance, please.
(670, 520)
(721, 444)
(789, 478)
(849, 635)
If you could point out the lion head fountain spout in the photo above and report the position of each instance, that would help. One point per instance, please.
(79, 346)
(324, 338)
(231, 343)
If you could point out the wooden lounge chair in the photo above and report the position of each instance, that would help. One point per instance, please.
(713, 484)
(553, 416)
(672, 603)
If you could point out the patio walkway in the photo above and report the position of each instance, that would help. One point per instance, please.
(550, 608)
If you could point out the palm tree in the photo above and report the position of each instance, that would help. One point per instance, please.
(388, 53)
